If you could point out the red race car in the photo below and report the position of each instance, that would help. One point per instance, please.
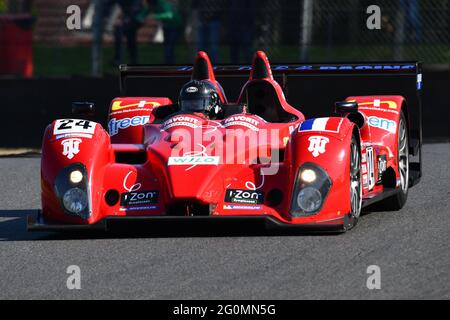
(202, 158)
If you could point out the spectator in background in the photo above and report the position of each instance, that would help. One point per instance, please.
(3, 6)
(128, 27)
(413, 25)
(209, 16)
(16, 6)
(242, 29)
(167, 12)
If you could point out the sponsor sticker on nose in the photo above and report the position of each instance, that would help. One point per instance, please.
(197, 160)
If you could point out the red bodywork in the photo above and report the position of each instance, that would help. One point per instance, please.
(187, 164)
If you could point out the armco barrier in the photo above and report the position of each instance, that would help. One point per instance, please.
(29, 105)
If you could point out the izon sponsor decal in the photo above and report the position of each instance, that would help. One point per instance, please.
(139, 198)
(244, 196)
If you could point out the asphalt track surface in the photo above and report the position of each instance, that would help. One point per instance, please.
(411, 247)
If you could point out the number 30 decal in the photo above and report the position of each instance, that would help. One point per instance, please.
(63, 126)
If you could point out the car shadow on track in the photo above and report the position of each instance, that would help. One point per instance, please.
(13, 227)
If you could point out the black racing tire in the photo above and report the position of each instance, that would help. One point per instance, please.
(355, 184)
(397, 201)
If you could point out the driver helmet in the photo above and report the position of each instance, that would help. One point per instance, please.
(200, 96)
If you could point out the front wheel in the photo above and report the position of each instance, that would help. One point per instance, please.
(355, 184)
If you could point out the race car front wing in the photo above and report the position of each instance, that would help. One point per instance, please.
(37, 223)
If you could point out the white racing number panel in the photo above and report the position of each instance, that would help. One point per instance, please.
(64, 126)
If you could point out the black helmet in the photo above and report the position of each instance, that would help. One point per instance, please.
(200, 96)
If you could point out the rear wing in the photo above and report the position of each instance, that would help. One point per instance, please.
(283, 70)
(312, 88)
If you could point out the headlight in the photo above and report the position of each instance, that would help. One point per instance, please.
(311, 189)
(76, 176)
(72, 189)
(308, 175)
(75, 200)
(309, 199)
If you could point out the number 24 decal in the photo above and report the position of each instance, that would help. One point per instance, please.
(63, 126)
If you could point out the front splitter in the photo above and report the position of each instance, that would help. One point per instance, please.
(266, 222)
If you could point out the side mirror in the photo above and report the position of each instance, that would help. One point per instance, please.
(83, 108)
(344, 107)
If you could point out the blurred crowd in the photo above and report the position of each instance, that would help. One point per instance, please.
(198, 22)
(229, 30)
(202, 24)
(16, 6)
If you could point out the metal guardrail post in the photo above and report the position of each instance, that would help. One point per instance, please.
(97, 30)
(306, 34)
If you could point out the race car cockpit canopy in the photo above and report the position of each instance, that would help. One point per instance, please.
(264, 96)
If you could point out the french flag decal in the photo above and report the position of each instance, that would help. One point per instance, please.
(322, 124)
